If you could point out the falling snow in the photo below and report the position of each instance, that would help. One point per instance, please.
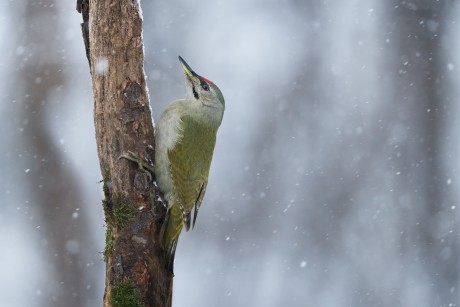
(339, 146)
(102, 65)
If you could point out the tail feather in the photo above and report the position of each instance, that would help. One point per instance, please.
(170, 254)
(174, 223)
(195, 214)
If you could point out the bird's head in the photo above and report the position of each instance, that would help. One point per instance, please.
(201, 89)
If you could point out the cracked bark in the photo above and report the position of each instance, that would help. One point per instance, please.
(122, 117)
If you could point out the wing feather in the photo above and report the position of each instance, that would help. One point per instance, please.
(198, 202)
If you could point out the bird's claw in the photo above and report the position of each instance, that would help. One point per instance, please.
(143, 166)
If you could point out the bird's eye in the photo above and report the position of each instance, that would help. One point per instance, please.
(205, 87)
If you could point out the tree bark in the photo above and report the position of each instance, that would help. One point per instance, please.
(135, 272)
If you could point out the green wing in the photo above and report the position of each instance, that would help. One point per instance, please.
(190, 160)
(199, 201)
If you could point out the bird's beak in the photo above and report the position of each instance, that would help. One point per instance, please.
(188, 71)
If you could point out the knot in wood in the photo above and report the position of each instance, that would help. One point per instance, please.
(133, 91)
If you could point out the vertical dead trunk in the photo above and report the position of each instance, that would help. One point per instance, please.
(135, 273)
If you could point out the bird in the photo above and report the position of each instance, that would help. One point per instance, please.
(185, 137)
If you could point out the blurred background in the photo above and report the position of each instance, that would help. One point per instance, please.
(335, 180)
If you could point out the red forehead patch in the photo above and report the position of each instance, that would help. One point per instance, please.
(208, 81)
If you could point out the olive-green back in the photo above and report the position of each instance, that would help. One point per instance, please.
(190, 160)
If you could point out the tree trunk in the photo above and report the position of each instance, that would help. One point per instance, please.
(432, 106)
(135, 273)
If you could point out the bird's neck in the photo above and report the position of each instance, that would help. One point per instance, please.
(205, 115)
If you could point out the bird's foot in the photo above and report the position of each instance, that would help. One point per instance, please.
(143, 165)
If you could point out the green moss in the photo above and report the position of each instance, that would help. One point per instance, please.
(119, 212)
(107, 182)
(108, 242)
(107, 207)
(107, 175)
(123, 213)
(124, 295)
